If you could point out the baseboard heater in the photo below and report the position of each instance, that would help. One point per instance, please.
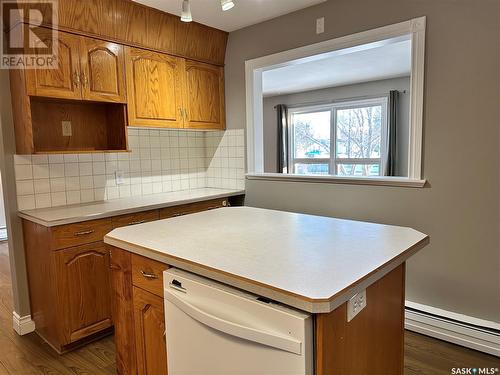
(484, 339)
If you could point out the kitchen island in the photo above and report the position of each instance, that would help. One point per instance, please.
(315, 264)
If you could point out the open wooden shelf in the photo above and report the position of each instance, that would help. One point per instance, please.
(95, 126)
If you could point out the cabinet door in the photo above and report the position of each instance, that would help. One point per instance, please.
(149, 316)
(154, 87)
(103, 71)
(64, 81)
(83, 290)
(204, 96)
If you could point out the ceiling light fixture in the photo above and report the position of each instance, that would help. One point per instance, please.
(226, 4)
(186, 12)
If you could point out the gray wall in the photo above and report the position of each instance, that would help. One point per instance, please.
(460, 207)
(381, 87)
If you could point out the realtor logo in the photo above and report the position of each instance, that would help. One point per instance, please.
(26, 44)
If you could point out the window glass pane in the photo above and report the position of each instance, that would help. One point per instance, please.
(359, 132)
(311, 134)
(311, 168)
(358, 169)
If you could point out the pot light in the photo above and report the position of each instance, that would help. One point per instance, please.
(186, 12)
(226, 4)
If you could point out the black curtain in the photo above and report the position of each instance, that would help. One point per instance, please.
(390, 164)
(282, 138)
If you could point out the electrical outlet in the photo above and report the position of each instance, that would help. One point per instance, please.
(119, 178)
(66, 129)
(320, 25)
(355, 305)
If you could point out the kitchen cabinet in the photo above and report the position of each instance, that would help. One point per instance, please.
(79, 106)
(102, 71)
(81, 288)
(69, 286)
(64, 81)
(171, 92)
(88, 69)
(84, 290)
(154, 83)
(149, 317)
(204, 96)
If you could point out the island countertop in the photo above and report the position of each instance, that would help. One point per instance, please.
(309, 262)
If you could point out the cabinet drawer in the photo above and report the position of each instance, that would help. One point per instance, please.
(136, 218)
(76, 234)
(191, 208)
(148, 274)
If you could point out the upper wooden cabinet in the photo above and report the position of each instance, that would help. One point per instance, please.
(154, 83)
(102, 71)
(171, 92)
(88, 69)
(204, 97)
(63, 82)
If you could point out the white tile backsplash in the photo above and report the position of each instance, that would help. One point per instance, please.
(160, 161)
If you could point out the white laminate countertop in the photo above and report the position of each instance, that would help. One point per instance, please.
(53, 216)
(309, 262)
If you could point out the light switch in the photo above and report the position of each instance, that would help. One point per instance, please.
(66, 129)
(320, 25)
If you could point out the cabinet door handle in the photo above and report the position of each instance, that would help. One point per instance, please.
(85, 80)
(137, 222)
(76, 79)
(150, 276)
(84, 232)
(180, 214)
(185, 114)
(181, 113)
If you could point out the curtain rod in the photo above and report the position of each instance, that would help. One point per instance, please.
(340, 100)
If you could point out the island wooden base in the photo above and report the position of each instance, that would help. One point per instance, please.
(371, 343)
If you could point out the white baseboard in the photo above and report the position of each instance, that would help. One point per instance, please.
(22, 324)
(456, 328)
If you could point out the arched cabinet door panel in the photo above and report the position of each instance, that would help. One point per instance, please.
(64, 80)
(149, 317)
(204, 96)
(103, 71)
(84, 290)
(154, 89)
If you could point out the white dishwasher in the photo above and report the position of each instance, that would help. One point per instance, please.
(213, 329)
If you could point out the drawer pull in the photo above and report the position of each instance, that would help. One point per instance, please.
(213, 208)
(137, 222)
(150, 276)
(84, 232)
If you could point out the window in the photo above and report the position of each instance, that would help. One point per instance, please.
(343, 139)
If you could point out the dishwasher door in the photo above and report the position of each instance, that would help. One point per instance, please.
(213, 329)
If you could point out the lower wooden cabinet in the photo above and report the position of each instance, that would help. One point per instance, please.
(84, 290)
(139, 318)
(149, 318)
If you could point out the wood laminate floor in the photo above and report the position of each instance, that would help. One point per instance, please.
(20, 355)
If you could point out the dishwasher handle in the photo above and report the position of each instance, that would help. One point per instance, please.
(235, 329)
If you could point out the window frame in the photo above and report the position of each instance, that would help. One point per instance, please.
(333, 107)
(254, 68)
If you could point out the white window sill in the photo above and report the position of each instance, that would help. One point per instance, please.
(377, 181)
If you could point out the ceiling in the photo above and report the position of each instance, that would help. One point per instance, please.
(245, 12)
(364, 65)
